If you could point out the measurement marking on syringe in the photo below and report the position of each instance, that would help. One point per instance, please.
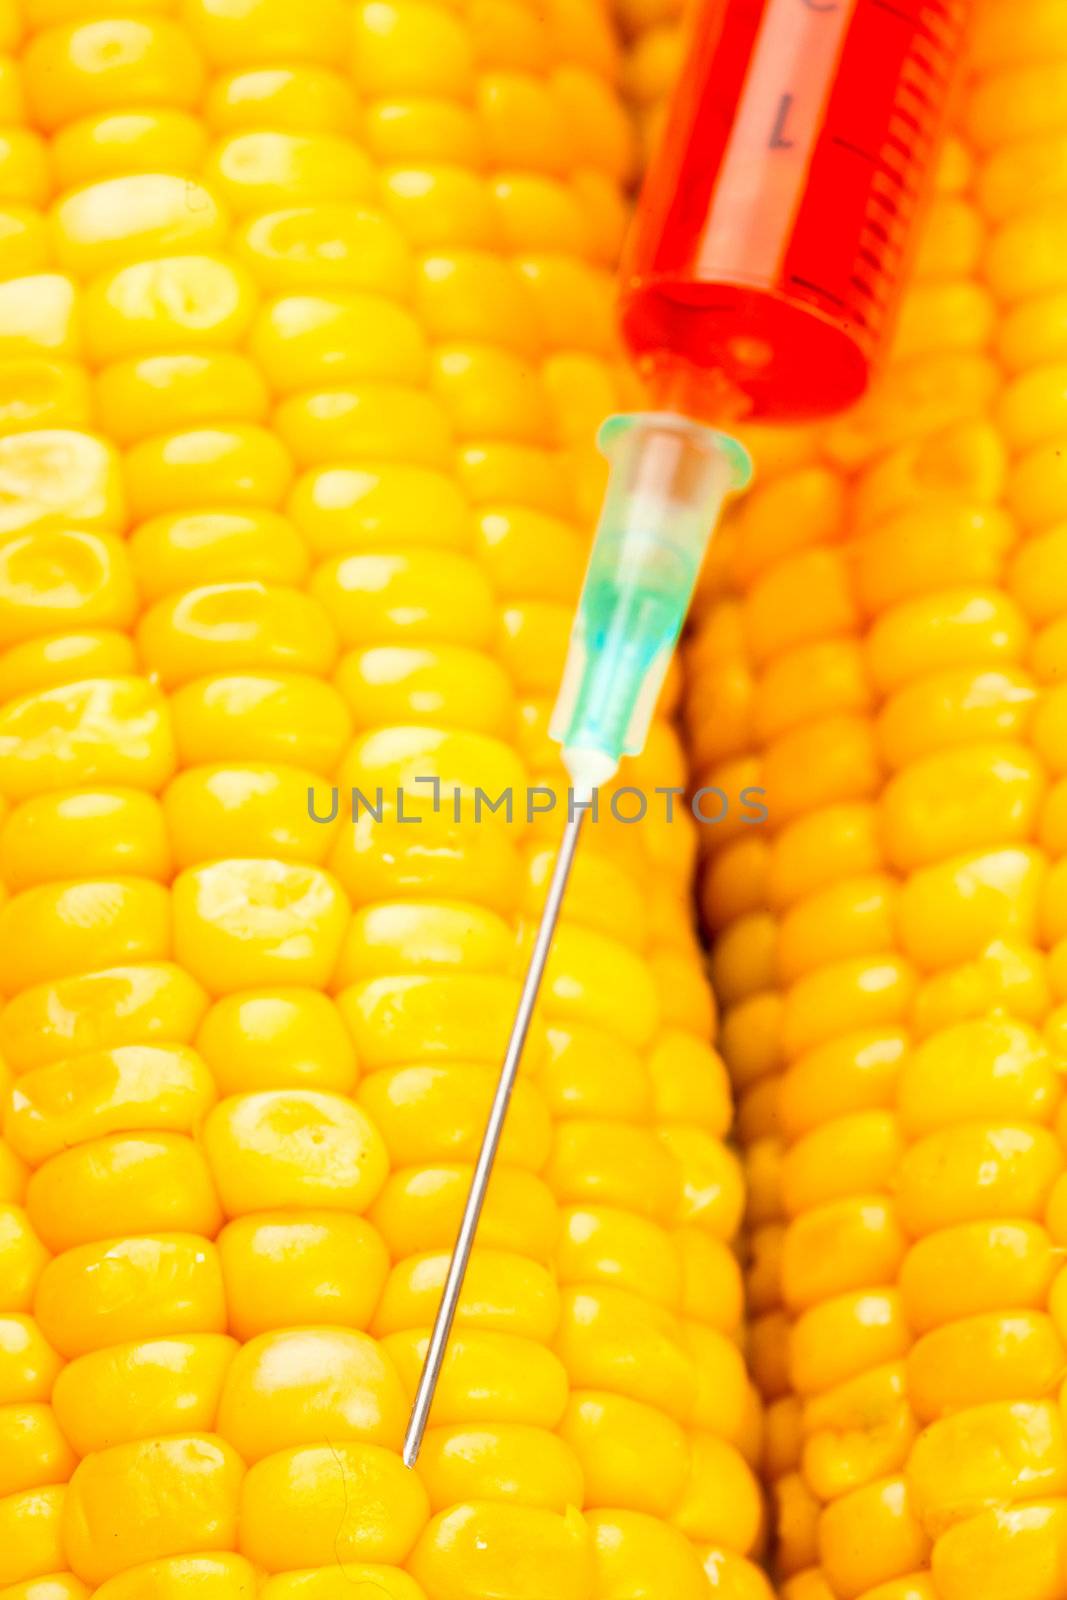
(926, 101)
(883, 234)
(891, 207)
(854, 149)
(864, 287)
(871, 259)
(891, 247)
(805, 283)
(890, 173)
(895, 11)
(912, 121)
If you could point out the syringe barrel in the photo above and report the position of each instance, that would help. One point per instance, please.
(778, 214)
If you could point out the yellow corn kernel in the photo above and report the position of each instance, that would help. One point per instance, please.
(101, 1011)
(213, 811)
(892, 1542)
(129, 1391)
(237, 465)
(102, 1294)
(28, 1366)
(592, 1345)
(486, 1377)
(848, 1244)
(508, 1462)
(283, 1387)
(301, 1506)
(330, 1582)
(320, 1267)
(421, 1207)
(118, 832)
(73, 71)
(964, 1462)
(126, 1089)
(138, 309)
(135, 399)
(296, 1147)
(630, 1453)
(501, 1291)
(105, 730)
(30, 1534)
(845, 1156)
(405, 1104)
(50, 662)
(109, 143)
(97, 228)
(113, 1519)
(988, 1069)
(151, 1181)
(993, 1356)
(975, 1171)
(237, 922)
(631, 1549)
(228, 1577)
(721, 1501)
(35, 1452)
(90, 924)
(860, 1431)
(61, 1586)
(513, 1550)
(177, 552)
(845, 1336)
(1023, 1545)
(975, 1267)
(296, 97)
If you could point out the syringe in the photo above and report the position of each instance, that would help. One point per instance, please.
(759, 283)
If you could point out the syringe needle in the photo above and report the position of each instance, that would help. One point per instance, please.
(483, 1170)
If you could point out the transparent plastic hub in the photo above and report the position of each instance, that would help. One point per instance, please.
(669, 478)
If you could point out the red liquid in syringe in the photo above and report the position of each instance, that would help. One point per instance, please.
(777, 216)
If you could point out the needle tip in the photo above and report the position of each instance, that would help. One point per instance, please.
(410, 1452)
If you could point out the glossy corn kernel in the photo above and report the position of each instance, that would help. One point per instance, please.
(304, 334)
(880, 646)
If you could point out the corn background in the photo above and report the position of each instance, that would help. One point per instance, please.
(882, 647)
(304, 330)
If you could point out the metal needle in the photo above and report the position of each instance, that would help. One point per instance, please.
(494, 1127)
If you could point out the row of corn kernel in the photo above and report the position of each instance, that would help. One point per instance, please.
(424, 1306)
(654, 44)
(497, 1478)
(987, 1476)
(290, 1540)
(809, 684)
(227, 492)
(796, 505)
(54, 579)
(721, 712)
(928, 550)
(654, 31)
(975, 1095)
(35, 1456)
(295, 1161)
(158, 1395)
(134, 1296)
(586, 962)
(594, 1153)
(501, 1480)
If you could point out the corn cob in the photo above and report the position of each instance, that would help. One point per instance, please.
(890, 1012)
(303, 334)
